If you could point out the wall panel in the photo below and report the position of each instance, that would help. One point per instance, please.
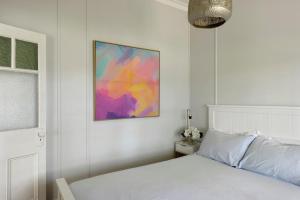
(72, 64)
(125, 143)
(257, 55)
(202, 74)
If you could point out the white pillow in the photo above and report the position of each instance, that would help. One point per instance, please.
(269, 157)
(226, 148)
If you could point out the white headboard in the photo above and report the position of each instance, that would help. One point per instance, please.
(273, 121)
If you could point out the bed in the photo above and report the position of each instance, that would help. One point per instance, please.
(195, 177)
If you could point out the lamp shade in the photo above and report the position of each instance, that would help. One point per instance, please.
(209, 13)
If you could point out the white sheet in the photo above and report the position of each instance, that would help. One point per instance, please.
(187, 178)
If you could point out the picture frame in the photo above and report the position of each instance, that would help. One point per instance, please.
(126, 81)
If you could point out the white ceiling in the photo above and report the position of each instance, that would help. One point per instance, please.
(179, 4)
(184, 1)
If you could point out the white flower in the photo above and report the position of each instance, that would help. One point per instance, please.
(196, 136)
(187, 133)
(195, 133)
(192, 132)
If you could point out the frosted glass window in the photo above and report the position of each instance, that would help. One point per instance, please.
(5, 52)
(18, 100)
(26, 55)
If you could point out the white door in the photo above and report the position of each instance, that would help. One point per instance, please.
(22, 114)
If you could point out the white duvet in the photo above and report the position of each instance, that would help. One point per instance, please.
(186, 178)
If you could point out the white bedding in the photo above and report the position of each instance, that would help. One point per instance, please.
(186, 178)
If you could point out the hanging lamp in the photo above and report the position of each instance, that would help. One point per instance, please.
(209, 13)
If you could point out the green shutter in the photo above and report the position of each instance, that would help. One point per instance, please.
(26, 55)
(5, 52)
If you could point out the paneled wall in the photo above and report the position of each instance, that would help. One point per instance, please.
(202, 74)
(77, 146)
(253, 60)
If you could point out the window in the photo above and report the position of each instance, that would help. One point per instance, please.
(26, 55)
(19, 81)
(5, 52)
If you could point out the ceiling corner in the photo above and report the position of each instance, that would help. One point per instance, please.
(178, 4)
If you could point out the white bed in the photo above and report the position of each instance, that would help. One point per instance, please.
(191, 177)
(196, 177)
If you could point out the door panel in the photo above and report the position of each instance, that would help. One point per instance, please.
(22, 179)
(22, 163)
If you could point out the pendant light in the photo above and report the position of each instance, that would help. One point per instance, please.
(209, 13)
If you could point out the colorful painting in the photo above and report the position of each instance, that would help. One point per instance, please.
(126, 81)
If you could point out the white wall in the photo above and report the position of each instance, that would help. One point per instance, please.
(257, 58)
(124, 143)
(202, 74)
(78, 147)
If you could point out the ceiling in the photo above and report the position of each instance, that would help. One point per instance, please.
(184, 1)
(179, 4)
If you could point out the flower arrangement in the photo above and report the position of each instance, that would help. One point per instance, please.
(191, 134)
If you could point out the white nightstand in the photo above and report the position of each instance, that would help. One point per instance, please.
(183, 148)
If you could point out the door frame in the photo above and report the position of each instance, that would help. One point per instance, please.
(40, 39)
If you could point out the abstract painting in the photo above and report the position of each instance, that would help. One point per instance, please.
(126, 81)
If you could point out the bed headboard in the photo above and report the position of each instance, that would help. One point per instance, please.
(273, 121)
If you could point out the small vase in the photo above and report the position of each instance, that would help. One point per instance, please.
(189, 140)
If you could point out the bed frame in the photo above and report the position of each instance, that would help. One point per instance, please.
(64, 191)
(273, 121)
(278, 122)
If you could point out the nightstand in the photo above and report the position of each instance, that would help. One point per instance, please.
(183, 148)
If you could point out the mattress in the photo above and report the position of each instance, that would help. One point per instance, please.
(186, 178)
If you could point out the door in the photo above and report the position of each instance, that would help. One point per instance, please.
(22, 114)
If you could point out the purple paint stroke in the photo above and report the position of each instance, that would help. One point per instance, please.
(110, 108)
